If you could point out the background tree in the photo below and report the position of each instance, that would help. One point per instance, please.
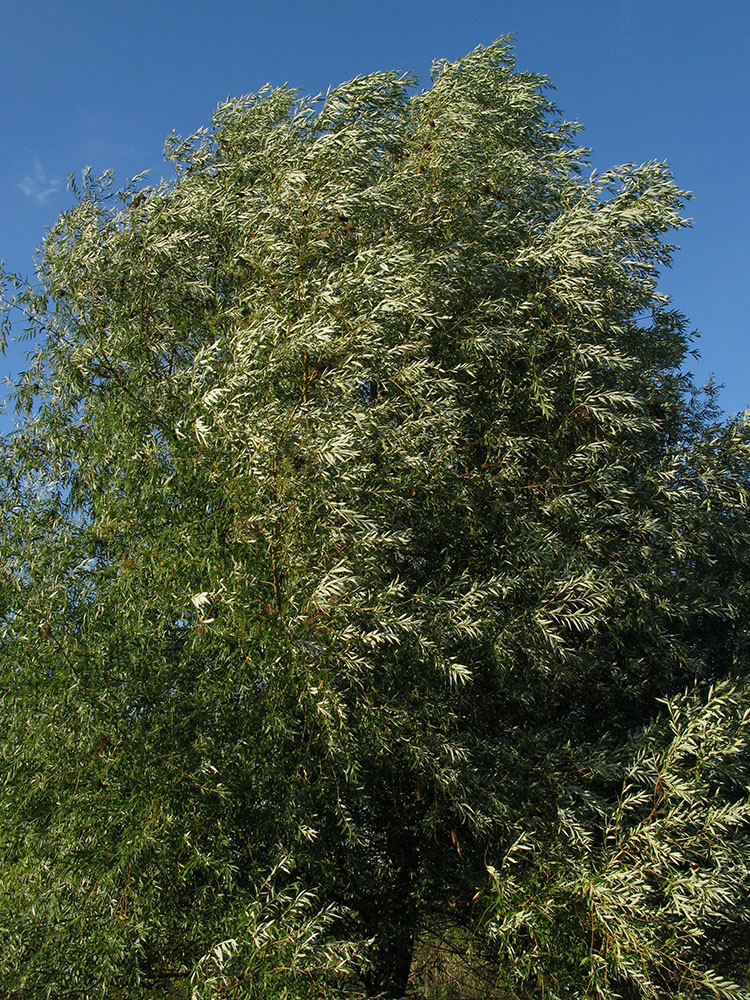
(360, 517)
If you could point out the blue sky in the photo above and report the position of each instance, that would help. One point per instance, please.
(102, 83)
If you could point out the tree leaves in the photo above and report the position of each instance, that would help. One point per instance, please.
(363, 479)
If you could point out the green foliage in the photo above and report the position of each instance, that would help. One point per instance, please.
(639, 883)
(359, 516)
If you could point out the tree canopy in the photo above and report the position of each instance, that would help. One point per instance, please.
(374, 592)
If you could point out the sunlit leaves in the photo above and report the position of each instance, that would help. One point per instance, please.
(357, 477)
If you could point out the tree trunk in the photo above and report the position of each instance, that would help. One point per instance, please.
(392, 918)
(392, 956)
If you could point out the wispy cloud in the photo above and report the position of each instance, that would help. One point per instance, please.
(38, 185)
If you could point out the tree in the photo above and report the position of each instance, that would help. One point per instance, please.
(360, 520)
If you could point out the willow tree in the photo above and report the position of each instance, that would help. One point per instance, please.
(359, 517)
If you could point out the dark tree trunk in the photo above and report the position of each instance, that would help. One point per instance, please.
(392, 917)
(392, 956)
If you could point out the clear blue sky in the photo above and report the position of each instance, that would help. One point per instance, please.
(102, 83)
